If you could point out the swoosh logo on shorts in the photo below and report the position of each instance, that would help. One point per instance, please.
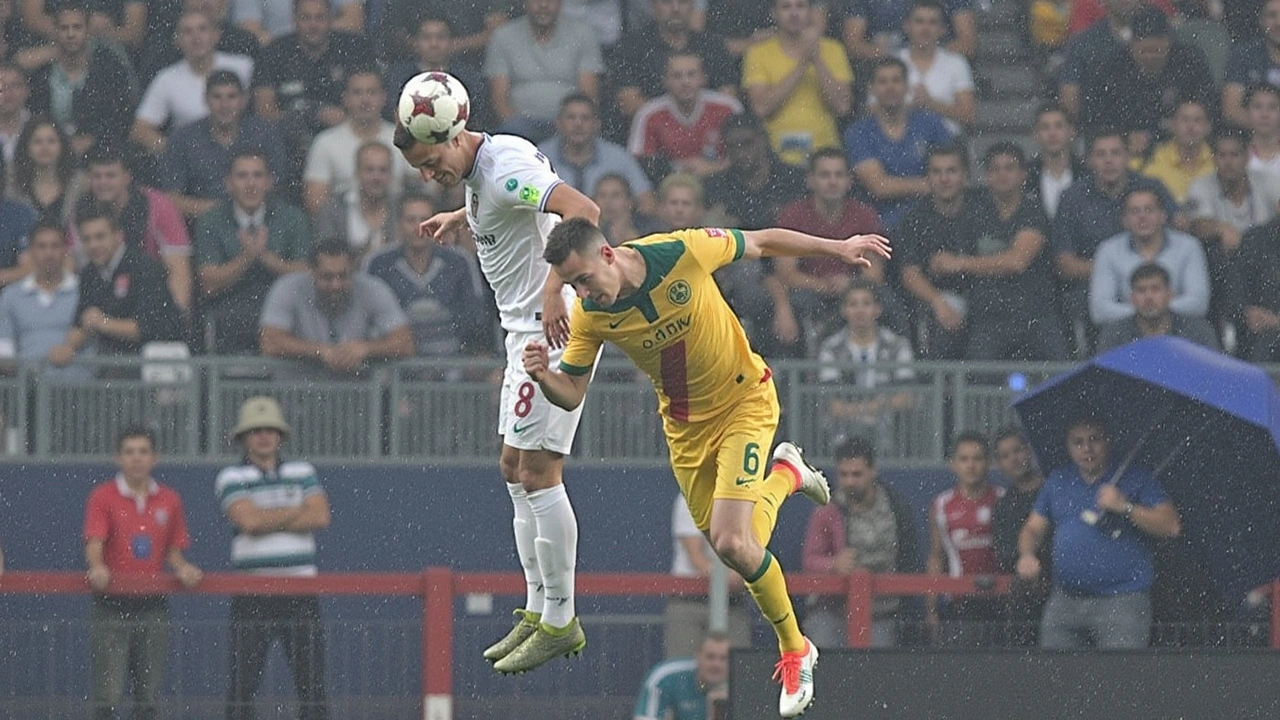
(518, 429)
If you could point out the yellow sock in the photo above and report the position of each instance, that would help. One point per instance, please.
(769, 588)
(775, 489)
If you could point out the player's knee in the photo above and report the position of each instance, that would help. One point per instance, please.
(537, 478)
(732, 546)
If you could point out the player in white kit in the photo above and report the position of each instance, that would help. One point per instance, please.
(513, 199)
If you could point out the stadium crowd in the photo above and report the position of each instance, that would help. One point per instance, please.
(242, 151)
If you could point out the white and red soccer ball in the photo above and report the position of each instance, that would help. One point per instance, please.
(434, 107)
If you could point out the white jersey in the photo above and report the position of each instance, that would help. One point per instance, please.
(507, 193)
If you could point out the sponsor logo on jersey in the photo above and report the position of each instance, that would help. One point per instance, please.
(486, 240)
(669, 330)
(530, 195)
(679, 292)
(511, 185)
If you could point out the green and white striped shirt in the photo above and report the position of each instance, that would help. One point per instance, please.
(278, 553)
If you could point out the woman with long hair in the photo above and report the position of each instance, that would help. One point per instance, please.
(44, 172)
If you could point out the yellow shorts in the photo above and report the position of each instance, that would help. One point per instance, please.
(725, 457)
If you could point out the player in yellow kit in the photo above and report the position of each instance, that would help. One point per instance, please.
(656, 300)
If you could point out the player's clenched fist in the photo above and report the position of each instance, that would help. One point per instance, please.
(536, 360)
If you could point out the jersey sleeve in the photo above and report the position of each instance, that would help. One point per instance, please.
(525, 179)
(713, 248)
(584, 345)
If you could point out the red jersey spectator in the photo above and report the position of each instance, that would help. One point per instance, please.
(680, 130)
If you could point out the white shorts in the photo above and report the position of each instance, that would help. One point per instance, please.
(526, 418)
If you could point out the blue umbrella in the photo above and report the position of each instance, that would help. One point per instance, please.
(1206, 423)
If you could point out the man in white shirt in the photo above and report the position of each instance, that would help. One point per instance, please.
(512, 200)
(176, 96)
(940, 80)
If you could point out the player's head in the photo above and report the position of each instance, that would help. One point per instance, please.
(969, 459)
(861, 306)
(712, 659)
(446, 163)
(855, 468)
(450, 157)
(582, 258)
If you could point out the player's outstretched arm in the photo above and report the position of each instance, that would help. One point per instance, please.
(563, 390)
(778, 242)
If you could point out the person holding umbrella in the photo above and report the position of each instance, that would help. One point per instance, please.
(1102, 516)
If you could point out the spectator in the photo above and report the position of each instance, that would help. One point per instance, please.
(1253, 61)
(160, 51)
(37, 312)
(1147, 239)
(198, 156)
(275, 506)
(887, 149)
(960, 543)
(680, 131)
(432, 284)
(534, 62)
(861, 396)
(434, 49)
(1102, 570)
(940, 80)
(270, 20)
(364, 216)
(44, 173)
(301, 77)
(85, 87)
(242, 246)
(120, 25)
(16, 220)
(756, 185)
(815, 286)
(799, 82)
(333, 316)
(1026, 600)
(685, 619)
(687, 688)
(1263, 105)
(14, 115)
(1086, 13)
(1012, 310)
(1151, 296)
(949, 222)
(1224, 204)
(874, 29)
(1047, 29)
(643, 59)
(471, 26)
(151, 223)
(1056, 166)
(1089, 212)
(132, 525)
(1258, 289)
(681, 203)
(619, 220)
(581, 157)
(1185, 156)
(124, 302)
(868, 527)
(742, 23)
(176, 96)
(331, 162)
(1144, 86)
(1088, 54)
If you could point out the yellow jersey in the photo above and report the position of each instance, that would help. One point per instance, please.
(677, 327)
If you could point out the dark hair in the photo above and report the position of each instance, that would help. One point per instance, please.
(854, 448)
(616, 177)
(1085, 419)
(1011, 431)
(1052, 107)
(70, 6)
(1229, 132)
(741, 121)
(970, 436)
(1005, 147)
(927, 5)
(24, 169)
(573, 235)
(105, 154)
(413, 197)
(949, 149)
(48, 225)
(888, 61)
(430, 16)
(1260, 87)
(1147, 271)
(220, 78)
(363, 69)
(827, 153)
(135, 430)
(98, 211)
(1149, 22)
(402, 138)
(687, 52)
(1124, 199)
(578, 97)
(373, 145)
(332, 247)
(248, 151)
(1102, 134)
(859, 284)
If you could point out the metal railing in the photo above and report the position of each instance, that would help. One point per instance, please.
(446, 412)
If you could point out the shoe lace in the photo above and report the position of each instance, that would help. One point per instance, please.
(787, 672)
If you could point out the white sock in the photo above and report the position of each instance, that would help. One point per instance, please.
(526, 529)
(557, 547)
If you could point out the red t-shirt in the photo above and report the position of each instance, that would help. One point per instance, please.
(855, 219)
(965, 525)
(1087, 12)
(660, 130)
(137, 533)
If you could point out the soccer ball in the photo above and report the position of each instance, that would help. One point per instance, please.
(434, 107)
